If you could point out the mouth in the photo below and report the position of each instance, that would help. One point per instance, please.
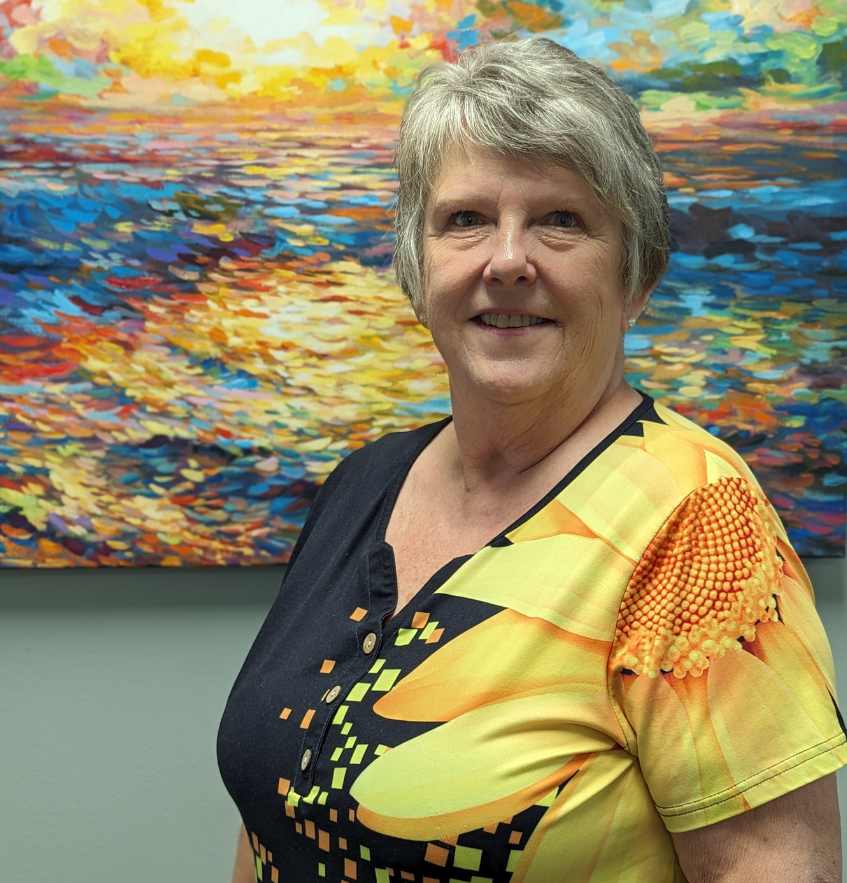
(510, 320)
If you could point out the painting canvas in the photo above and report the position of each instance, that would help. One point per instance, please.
(197, 312)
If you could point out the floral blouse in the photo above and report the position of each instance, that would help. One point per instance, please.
(638, 654)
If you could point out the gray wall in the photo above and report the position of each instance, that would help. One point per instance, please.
(111, 686)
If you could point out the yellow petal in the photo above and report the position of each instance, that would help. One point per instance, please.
(683, 456)
(678, 750)
(572, 578)
(625, 500)
(798, 614)
(504, 657)
(475, 770)
(792, 565)
(765, 732)
(800, 667)
(602, 828)
(554, 519)
(669, 443)
(718, 467)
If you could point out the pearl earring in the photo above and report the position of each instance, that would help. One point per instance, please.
(631, 323)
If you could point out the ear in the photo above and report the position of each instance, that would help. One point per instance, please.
(634, 309)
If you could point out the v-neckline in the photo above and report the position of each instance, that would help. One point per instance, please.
(440, 576)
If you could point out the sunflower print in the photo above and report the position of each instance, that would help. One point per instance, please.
(655, 665)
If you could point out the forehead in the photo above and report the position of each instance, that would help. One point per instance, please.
(469, 170)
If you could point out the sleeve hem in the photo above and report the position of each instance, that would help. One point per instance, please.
(801, 769)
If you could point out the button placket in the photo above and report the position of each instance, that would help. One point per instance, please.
(355, 670)
(379, 604)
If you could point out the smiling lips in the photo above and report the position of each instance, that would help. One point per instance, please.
(501, 320)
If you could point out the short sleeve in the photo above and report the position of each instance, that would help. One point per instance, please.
(720, 670)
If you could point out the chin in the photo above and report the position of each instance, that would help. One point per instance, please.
(508, 387)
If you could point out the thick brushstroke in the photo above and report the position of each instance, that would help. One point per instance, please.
(197, 318)
(195, 330)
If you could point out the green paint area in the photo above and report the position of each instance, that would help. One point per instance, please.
(43, 71)
(405, 636)
(386, 680)
(358, 692)
(427, 631)
(467, 858)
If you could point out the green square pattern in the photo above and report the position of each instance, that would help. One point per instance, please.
(467, 858)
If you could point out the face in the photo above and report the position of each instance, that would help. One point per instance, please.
(522, 287)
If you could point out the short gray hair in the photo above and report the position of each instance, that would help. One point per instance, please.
(538, 101)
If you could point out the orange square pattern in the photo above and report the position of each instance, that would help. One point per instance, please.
(310, 829)
(328, 666)
(358, 614)
(274, 875)
(289, 810)
(284, 786)
(420, 619)
(437, 855)
(323, 840)
(350, 868)
(285, 714)
(435, 637)
(514, 838)
(307, 719)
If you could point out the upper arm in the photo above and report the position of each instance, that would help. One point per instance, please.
(245, 868)
(722, 670)
(795, 838)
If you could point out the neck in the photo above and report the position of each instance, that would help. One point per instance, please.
(496, 445)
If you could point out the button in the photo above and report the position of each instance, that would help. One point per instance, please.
(306, 759)
(369, 643)
(333, 694)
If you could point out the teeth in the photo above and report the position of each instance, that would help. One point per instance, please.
(501, 320)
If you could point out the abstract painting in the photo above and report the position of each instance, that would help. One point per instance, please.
(197, 314)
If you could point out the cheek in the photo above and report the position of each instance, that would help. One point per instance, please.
(438, 281)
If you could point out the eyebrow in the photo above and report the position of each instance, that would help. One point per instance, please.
(475, 202)
(454, 203)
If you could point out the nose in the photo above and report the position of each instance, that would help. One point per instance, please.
(509, 264)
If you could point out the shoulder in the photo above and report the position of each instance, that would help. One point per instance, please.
(695, 456)
(653, 465)
(669, 460)
(704, 468)
(716, 556)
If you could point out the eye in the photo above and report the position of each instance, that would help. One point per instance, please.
(563, 219)
(466, 219)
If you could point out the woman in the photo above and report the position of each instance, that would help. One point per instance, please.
(560, 636)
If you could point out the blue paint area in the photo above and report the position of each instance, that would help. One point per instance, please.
(755, 299)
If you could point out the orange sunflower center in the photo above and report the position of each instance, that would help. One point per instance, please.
(706, 580)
